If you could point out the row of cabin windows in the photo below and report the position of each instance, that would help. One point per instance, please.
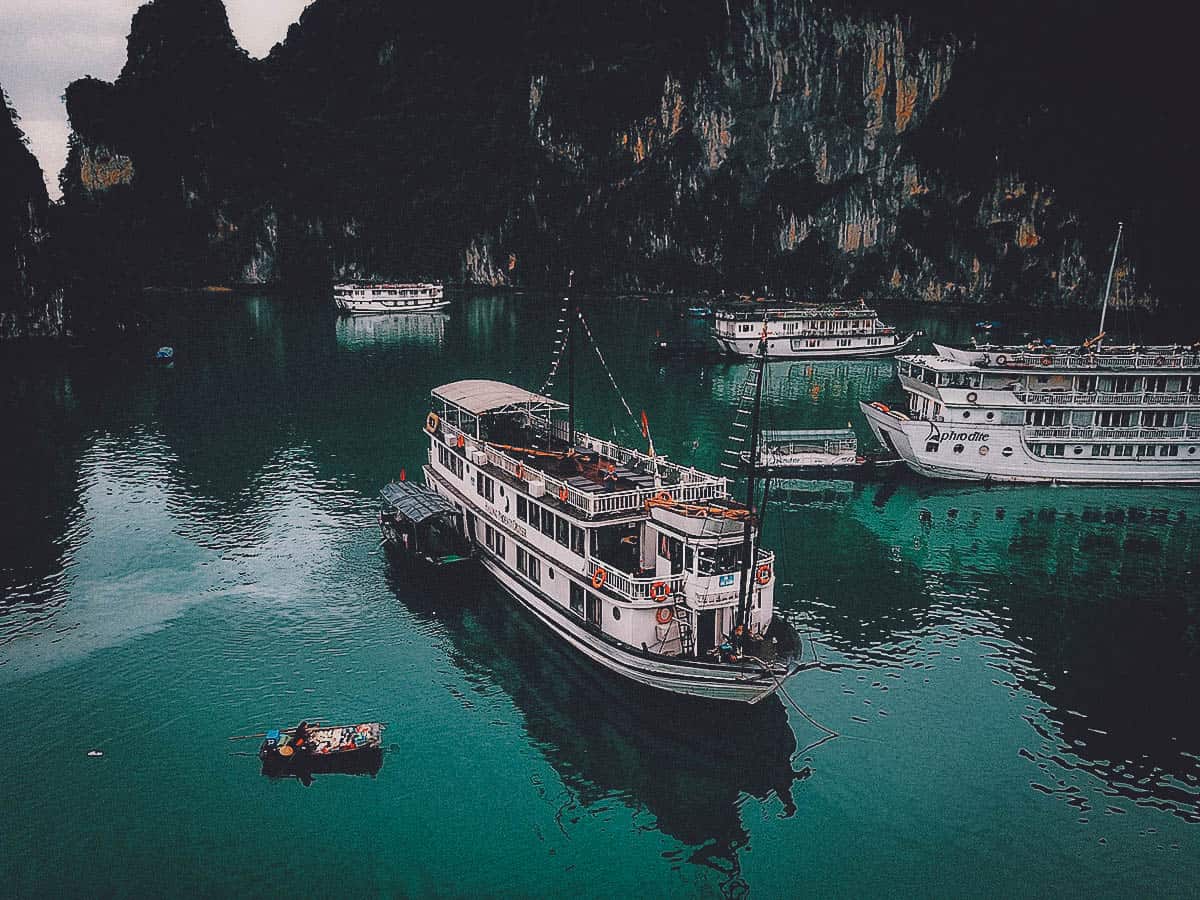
(494, 540)
(551, 525)
(451, 460)
(1103, 450)
(1107, 418)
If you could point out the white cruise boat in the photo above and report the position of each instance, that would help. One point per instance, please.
(384, 297)
(636, 563)
(1056, 414)
(806, 331)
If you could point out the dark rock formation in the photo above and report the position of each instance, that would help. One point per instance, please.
(727, 144)
(30, 302)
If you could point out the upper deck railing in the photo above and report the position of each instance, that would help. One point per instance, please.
(1092, 432)
(641, 587)
(682, 483)
(784, 313)
(1050, 359)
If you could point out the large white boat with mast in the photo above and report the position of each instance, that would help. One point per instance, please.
(640, 565)
(386, 297)
(1039, 412)
(806, 331)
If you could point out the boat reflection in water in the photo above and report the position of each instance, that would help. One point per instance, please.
(390, 329)
(1065, 591)
(609, 738)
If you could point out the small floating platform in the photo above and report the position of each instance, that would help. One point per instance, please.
(824, 451)
(347, 749)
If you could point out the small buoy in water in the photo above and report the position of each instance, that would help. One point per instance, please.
(95, 753)
(165, 354)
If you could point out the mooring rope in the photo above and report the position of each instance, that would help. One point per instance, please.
(613, 381)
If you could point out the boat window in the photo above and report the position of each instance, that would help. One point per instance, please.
(450, 460)
(577, 540)
(485, 487)
(576, 599)
(562, 531)
(529, 565)
(719, 560)
(593, 608)
(689, 559)
(522, 508)
(671, 549)
(547, 525)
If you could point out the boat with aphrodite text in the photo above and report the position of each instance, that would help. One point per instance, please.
(1091, 413)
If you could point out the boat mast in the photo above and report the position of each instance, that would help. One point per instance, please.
(1108, 287)
(571, 362)
(744, 593)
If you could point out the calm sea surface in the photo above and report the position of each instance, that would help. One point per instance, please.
(190, 554)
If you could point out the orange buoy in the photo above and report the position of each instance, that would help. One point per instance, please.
(598, 578)
(664, 615)
(659, 591)
(562, 493)
(432, 421)
(763, 575)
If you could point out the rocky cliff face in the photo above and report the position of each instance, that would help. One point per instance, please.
(754, 145)
(30, 302)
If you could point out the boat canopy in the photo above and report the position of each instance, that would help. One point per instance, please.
(415, 501)
(809, 436)
(479, 397)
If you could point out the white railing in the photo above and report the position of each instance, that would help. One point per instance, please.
(633, 587)
(1035, 360)
(692, 486)
(1106, 398)
(1088, 432)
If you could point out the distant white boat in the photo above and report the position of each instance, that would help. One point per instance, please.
(385, 297)
(805, 331)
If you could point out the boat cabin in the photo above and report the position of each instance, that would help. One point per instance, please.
(422, 524)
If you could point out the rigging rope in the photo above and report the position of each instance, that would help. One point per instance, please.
(559, 343)
(642, 426)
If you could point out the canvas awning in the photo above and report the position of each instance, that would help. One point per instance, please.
(415, 501)
(477, 397)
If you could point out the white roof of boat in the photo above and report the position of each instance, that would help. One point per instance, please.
(478, 396)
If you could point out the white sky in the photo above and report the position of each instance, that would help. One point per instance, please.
(47, 44)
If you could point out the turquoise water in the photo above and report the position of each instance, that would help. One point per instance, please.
(191, 554)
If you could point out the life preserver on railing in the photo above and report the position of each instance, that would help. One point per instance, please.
(1160, 360)
(664, 615)
(763, 575)
(562, 493)
(461, 442)
(882, 407)
(520, 473)
(1047, 360)
(432, 421)
(598, 578)
(972, 396)
(660, 591)
(664, 496)
(1001, 360)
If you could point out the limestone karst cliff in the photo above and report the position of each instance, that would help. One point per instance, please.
(846, 150)
(30, 301)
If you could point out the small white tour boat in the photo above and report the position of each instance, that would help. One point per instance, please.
(642, 566)
(802, 331)
(384, 297)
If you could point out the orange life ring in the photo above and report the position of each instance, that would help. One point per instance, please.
(562, 493)
(664, 496)
(882, 407)
(432, 421)
(520, 472)
(664, 615)
(659, 591)
(1001, 360)
(598, 579)
(763, 575)
(1047, 361)
(462, 442)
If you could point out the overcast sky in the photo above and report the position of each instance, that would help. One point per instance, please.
(47, 44)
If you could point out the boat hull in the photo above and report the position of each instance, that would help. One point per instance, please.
(1000, 453)
(781, 347)
(367, 307)
(748, 682)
